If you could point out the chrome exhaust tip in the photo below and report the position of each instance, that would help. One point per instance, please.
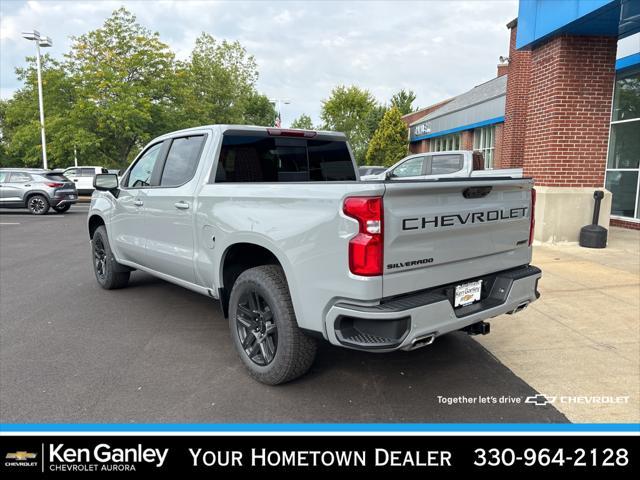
(519, 308)
(422, 341)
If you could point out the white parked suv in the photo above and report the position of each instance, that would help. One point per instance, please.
(83, 177)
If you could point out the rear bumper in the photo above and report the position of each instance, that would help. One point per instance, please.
(64, 198)
(401, 323)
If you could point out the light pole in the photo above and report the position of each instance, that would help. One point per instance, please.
(276, 103)
(34, 36)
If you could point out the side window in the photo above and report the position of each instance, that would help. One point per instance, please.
(72, 172)
(140, 174)
(19, 177)
(87, 172)
(443, 164)
(3, 176)
(104, 170)
(182, 161)
(410, 168)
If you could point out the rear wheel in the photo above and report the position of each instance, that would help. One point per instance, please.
(62, 208)
(264, 328)
(109, 273)
(38, 204)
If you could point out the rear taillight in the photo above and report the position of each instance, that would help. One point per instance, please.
(53, 184)
(532, 224)
(366, 248)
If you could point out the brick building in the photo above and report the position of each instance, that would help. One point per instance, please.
(564, 106)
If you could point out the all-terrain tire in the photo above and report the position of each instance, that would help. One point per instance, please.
(109, 273)
(295, 351)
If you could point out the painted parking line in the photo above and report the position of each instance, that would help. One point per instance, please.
(9, 223)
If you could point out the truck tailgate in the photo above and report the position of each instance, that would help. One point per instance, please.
(439, 232)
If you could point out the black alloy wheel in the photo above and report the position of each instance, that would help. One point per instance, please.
(38, 205)
(100, 258)
(256, 327)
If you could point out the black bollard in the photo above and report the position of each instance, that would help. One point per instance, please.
(594, 236)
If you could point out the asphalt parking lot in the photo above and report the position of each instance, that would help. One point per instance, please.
(154, 352)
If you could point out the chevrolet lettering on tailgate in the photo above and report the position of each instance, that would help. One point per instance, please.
(417, 223)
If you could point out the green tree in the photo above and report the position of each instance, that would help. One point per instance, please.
(217, 85)
(303, 121)
(119, 87)
(403, 101)
(373, 119)
(389, 142)
(258, 110)
(347, 110)
(122, 74)
(5, 160)
(21, 144)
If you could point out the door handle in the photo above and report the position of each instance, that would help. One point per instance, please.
(138, 203)
(182, 205)
(75, 179)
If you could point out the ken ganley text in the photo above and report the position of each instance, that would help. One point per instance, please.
(103, 457)
(262, 457)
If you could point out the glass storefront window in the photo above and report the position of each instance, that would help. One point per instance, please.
(624, 188)
(624, 145)
(626, 99)
(446, 143)
(623, 162)
(484, 140)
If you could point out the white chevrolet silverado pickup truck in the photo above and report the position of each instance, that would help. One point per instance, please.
(276, 226)
(446, 164)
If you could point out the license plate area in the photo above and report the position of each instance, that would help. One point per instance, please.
(467, 293)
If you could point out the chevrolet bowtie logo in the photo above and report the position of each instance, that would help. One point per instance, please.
(21, 456)
(540, 400)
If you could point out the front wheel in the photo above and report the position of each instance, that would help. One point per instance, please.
(264, 328)
(38, 205)
(109, 273)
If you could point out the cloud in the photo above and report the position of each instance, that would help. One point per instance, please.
(303, 49)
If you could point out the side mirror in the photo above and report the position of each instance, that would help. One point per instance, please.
(389, 175)
(105, 182)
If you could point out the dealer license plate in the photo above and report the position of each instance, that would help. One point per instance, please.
(467, 293)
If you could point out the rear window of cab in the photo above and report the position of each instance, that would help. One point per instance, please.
(248, 158)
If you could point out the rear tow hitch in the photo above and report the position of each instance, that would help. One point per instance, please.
(480, 328)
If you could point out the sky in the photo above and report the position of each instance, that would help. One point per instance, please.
(437, 48)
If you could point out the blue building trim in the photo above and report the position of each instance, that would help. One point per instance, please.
(320, 427)
(441, 133)
(539, 20)
(628, 61)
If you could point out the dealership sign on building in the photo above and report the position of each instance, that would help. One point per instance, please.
(422, 129)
